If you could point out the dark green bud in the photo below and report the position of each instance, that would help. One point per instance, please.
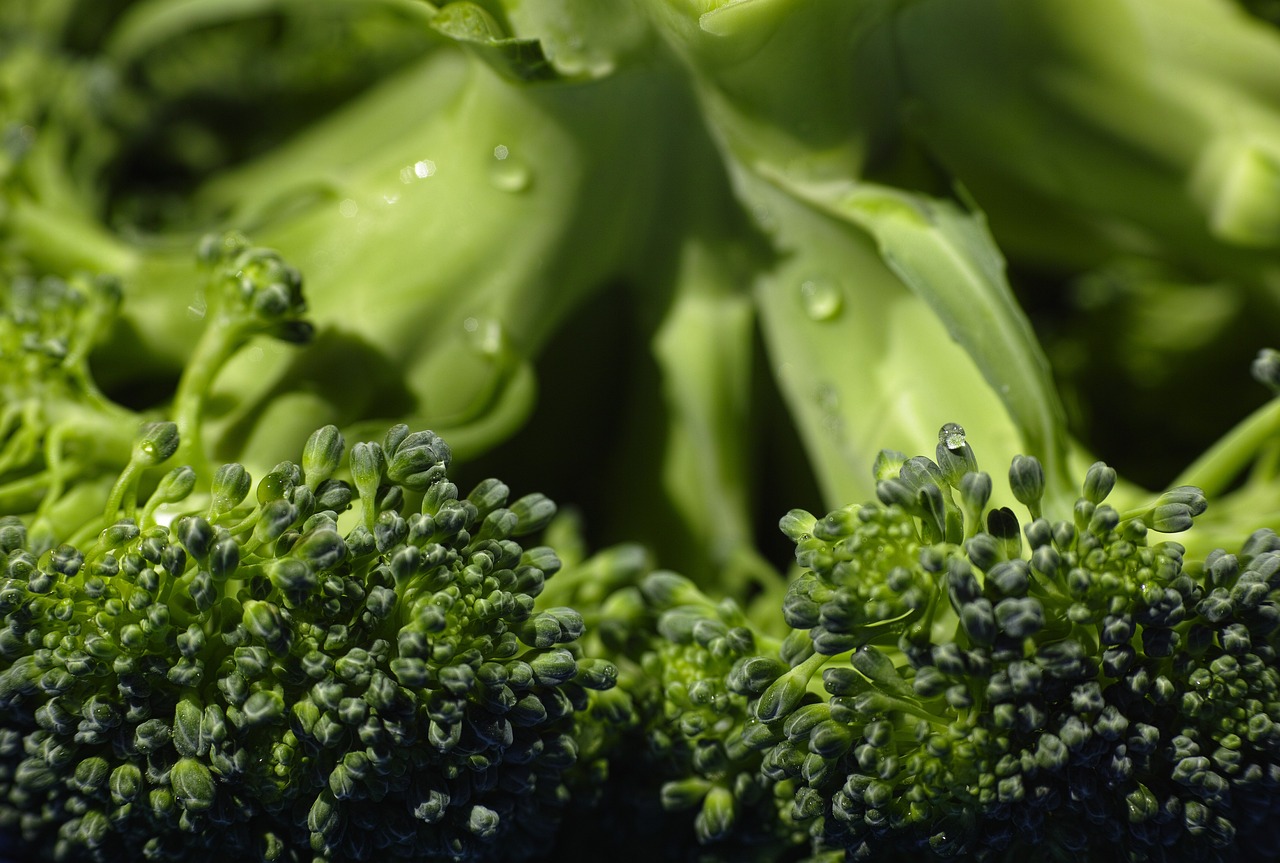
(983, 550)
(1103, 520)
(231, 483)
(176, 485)
(664, 590)
(262, 708)
(1003, 525)
(879, 669)
(156, 443)
(324, 818)
(801, 723)
(488, 495)
(797, 525)
(196, 535)
(895, 492)
(533, 513)
(784, 695)
(276, 517)
(1020, 617)
(437, 496)
(684, 794)
(1187, 495)
(1170, 518)
(956, 461)
(125, 783)
(187, 736)
(888, 464)
(919, 472)
(368, 464)
(751, 675)
(418, 460)
(295, 580)
(192, 785)
(978, 620)
(551, 627)
(716, 818)
(498, 525)
(553, 667)
(393, 438)
(975, 491)
(962, 585)
(841, 681)
(1026, 479)
(322, 549)
(151, 736)
(264, 621)
(1009, 577)
(1045, 560)
(1098, 482)
(931, 505)
(596, 674)
(91, 774)
(224, 559)
(322, 455)
(13, 534)
(334, 495)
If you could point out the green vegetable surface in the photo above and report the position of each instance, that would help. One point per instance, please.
(283, 285)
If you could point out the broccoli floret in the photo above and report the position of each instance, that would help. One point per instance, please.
(267, 675)
(993, 689)
(62, 441)
(953, 682)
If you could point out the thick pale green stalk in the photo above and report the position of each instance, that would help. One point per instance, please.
(947, 257)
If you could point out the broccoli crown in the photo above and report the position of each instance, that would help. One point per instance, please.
(990, 690)
(955, 683)
(324, 670)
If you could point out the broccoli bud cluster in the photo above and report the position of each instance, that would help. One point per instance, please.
(990, 688)
(322, 670)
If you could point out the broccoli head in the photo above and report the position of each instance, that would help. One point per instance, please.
(281, 676)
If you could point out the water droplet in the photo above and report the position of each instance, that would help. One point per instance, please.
(424, 168)
(507, 173)
(486, 334)
(348, 208)
(951, 436)
(821, 298)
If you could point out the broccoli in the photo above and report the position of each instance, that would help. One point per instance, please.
(953, 682)
(685, 265)
(64, 441)
(259, 677)
(190, 669)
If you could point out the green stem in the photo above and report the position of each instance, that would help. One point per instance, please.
(124, 494)
(217, 344)
(1215, 470)
(66, 241)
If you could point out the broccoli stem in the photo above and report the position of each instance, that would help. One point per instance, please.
(1221, 464)
(217, 344)
(66, 241)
